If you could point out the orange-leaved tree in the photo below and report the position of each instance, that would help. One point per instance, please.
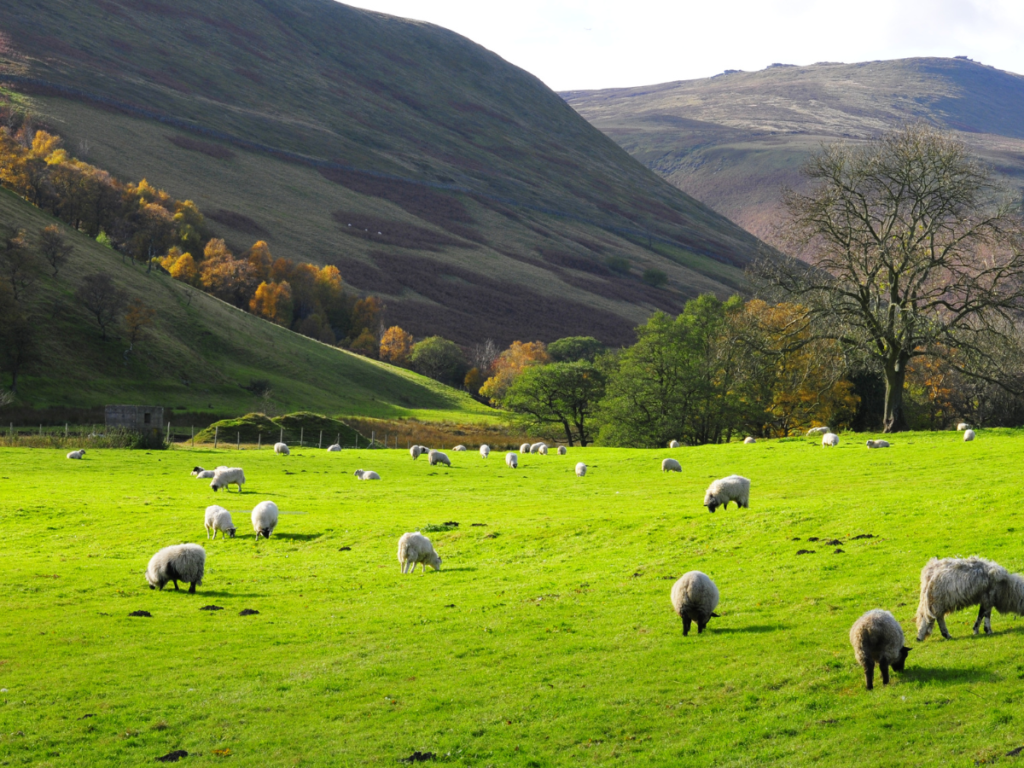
(274, 302)
(136, 320)
(510, 364)
(395, 345)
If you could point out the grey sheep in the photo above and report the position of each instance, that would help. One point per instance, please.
(180, 562)
(877, 637)
(878, 443)
(695, 598)
(952, 584)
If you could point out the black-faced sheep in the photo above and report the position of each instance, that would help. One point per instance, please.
(511, 461)
(877, 637)
(180, 562)
(225, 478)
(264, 519)
(695, 598)
(953, 584)
(562, 450)
(218, 519)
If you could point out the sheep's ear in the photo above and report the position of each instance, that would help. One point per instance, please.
(906, 650)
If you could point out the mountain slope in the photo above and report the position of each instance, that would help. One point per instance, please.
(427, 168)
(733, 140)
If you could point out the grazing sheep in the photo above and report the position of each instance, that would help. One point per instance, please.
(436, 457)
(77, 454)
(878, 443)
(333, 448)
(748, 440)
(535, 448)
(180, 562)
(731, 488)
(581, 469)
(953, 584)
(524, 448)
(962, 426)
(414, 451)
(543, 450)
(829, 439)
(282, 449)
(205, 474)
(366, 474)
(485, 451)
(225, 477)
(264, 519)
(818, 430)
(218, 519)
(461, 448)
(561, 450)
(511, 461)
(674, 444)
(695, 598)
(878, 637)
(968, 435)
(415, 549)
(671, 465)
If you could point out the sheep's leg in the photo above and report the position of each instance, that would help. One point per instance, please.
(192, 588)
(885, 672)
(686, 625)
(988, 621)
(942, 628)
(869, 673)
(981, 616)
(925, 631)
(175, 584)
(700, 626)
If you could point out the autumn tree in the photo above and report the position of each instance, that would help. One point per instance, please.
(510, 364)
(183, 267)
(137, 319)
(395, 346)
(366, 315)
(473, 381)
(54, 248)
(103, 299)
(273, 301)
(365, 344)
(912, 254)
(190, 231)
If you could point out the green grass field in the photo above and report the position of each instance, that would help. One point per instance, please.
(546, 639)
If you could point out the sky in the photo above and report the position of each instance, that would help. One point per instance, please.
(587, 44)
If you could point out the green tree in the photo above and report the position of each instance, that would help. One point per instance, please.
(573, 348)
(566, 394)
(439, 359)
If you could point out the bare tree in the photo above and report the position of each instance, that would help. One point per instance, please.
(17, 263)
(54, 248)
(103, 299)
(914, 251)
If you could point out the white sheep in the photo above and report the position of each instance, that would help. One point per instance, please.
(731, 488)
(524, 448)
(878, 443)
(366, 474)
(460, 448)
(968, 435)
(415, 549)
(671, 465)
(581, 469)
(282, 449)
(264, 519)
(953, 584)
(673, 444)
(333, 448)
(415, 452)
(205, 474)
(511, 461)
(829, 439)
(818, 430)
(962, 426)
(485, 450)
(77, 454)
(878, 637)
(180, 562)
(436, 457)
(561, 450)
(227, 476)
(218, 519)
(748, 440)
(694, 598)
(535, 448)
(543, 450)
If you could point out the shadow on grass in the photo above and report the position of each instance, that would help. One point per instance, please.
(446, 569)
(948, 674)
(297, 536)
(754, 628)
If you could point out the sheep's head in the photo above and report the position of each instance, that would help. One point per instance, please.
(231, 532)
(711, 501)
(902, 660)
(435, 562)
(197, 470)
(214, 486)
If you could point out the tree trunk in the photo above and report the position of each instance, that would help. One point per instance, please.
(568, 431)
(893, 419)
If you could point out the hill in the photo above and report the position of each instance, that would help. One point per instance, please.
(201, 354)
(733, 140)
(428, 169)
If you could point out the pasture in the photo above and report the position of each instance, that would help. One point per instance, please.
(546, 639)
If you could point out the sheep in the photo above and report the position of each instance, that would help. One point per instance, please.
(366, 474)
(671, 465)
(333, 448)
(436, 457)
(461, 448)
(524, 448)
(748, 440)
(224, 478)
(673, 444)
(511, 461)
(264, 519)
(282, 449)
(543, 450)
(535, 448)
(218, 519)
(180, 562)
(878, 443)
(561, 450)
(818, 430)
(953, 584)
(829, 439)
(968, 435)
(731, 488)
(878, 637)
(205, 474)
(485, 451)
(695, 598)
(77, 454)
(962, 426)
(581, 469)
(415, 549)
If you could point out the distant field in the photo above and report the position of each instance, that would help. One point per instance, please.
(546, 639)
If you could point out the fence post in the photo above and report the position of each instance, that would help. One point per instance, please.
(40, 430)
(281, 439)
(193, 436)
(302, 433)
(321, 439)
(259, 440)
(216, 436)
(373, 436)
(338, 441)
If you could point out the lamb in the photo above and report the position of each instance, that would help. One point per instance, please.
(180, 562)
(77, 454)
(673, 444)
(731, 488)
(366, 474)
(415, 549)
(459, 448)
(671, 465)
(333, 448)
(535, 448)
(748, 440)
(953, 584)
(818, 430)
(878, 637)
(878, 443)
(436, 457)
(962, 426)
(581, 469)
(968, 435)
(264, 519)
(561, 450)
(543, 450)
(225, 477)
(829, 439)
(218, 519)
(485, 451)
(524, 448)
(695, 598)
(282, 449)
(511, 461)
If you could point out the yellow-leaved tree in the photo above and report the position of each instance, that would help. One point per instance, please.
(510, 364)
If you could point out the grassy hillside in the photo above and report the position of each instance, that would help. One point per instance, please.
(428, 169)
(546, 639)
(733, 140)
(201, 353)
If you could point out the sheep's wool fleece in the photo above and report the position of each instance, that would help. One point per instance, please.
(876, 636)
(188, 561)
(696, 592)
